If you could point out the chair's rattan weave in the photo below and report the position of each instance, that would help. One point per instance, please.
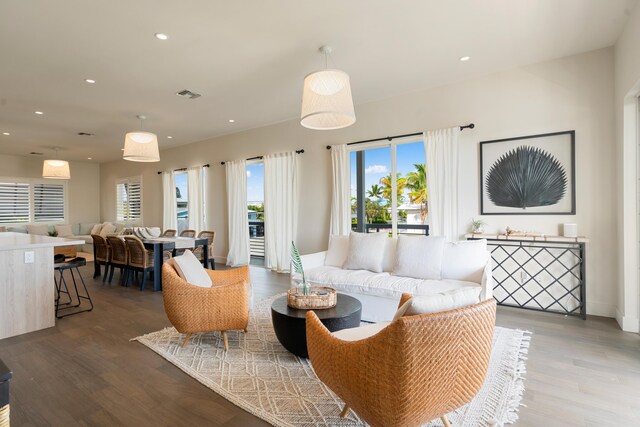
(169, 233)
(416, 369)
(102, 251)
(118, 250)
(188, 233)
(211, 236)
(223, 307)
(4, 416)
(139, 257)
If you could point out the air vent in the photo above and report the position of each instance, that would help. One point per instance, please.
(35, 153)
(85, 134)
(188, 94)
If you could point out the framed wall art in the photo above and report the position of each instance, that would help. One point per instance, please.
(528, 175)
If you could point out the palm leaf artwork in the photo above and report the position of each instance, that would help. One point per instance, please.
(526, 177)
(297, 267)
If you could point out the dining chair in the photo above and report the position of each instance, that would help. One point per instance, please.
(199, 252)
(188, 233)
(118, 258)
(102, 253)
(140, 259)
(169, 233)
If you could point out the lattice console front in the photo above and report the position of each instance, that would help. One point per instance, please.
(539, 273)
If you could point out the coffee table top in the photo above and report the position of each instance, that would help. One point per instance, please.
(346, 306)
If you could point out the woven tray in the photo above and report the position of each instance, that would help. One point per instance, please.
(319, 297)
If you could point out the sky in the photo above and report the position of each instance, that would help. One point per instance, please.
(255, 182)
(377, 163)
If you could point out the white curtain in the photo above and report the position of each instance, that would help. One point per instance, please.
(169, 205)
(280, 209)
(237, 215)
(195, 190)
(341, 194)
(441, 151)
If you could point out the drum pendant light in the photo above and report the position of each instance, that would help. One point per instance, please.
(56, 169)
(326, 98)
(141, 146)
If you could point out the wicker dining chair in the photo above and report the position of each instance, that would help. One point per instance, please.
(193, 309)
(416, 369)
(169, 233)
(101, 254)
(188, 233)
(140, 259)
(199, 252)
(118, 257)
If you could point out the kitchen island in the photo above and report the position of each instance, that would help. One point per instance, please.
(27, 287)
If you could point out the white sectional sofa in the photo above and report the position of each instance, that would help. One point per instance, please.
(438, 268)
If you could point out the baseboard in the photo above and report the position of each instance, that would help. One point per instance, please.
(601, 309)
(626, 323)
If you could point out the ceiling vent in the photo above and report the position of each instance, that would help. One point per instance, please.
(35, 153)
(188, 94)
(85, 134)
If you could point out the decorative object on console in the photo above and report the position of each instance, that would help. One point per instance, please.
(477, 226)
(570, 230)
(528, 175)
(326, 98)
(141, 146)
(519, 233)
(56, 169)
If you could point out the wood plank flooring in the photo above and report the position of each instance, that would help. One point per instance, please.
(86, 372)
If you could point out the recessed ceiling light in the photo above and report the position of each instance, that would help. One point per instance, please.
(169, 137)
(465, 58)
(90, 81)
(88, 158)
(161, 36)
(231, 121)
(39, 113)
(6, 133)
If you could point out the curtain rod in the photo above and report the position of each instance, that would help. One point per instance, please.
(262, 157)
(183, 169)
(389, 138)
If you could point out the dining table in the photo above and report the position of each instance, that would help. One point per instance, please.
(160, 244)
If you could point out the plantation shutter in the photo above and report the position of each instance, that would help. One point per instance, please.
(48, 202)
(14, 202)
(129, 200)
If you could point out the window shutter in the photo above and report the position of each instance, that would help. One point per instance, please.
(48, 202)
(14, 202)
(129, 200)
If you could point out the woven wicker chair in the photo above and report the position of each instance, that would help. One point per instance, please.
(118, 258)
(417, 369)
(140, 259)
(169, 233)
(101, 253)
(192, 309)
(188, 233)
(199, 253)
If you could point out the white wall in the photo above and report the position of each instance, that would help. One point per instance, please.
(627, 89)
(83, 197)
(570, 93)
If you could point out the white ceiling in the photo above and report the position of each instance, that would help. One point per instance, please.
(248, 59)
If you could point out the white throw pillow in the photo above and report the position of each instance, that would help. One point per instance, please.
(443, 301)
(39, 229)
(366, 251)
(419, 257)
(64, 230)
(107, 228)
(338, 251)
(389, 259)
(191, 270)
(96, 229)
(465, 260)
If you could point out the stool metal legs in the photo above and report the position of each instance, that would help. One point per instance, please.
(60, 283)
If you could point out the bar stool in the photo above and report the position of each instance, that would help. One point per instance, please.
(60, 282)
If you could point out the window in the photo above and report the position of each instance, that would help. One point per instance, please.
(129, 199)
(182, 200)
(24, 200)
(381, 202)
(255, 210)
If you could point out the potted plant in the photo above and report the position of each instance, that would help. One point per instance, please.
(477, 226)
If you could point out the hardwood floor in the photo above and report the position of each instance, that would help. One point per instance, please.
(86, 372)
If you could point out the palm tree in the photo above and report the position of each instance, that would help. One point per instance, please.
(417, 184)
(375, 192)
(401, 184)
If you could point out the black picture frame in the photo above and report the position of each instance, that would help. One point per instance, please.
(487, 207)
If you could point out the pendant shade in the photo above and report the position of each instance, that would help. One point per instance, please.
(326, 101)
(141, 147)
(56, 169)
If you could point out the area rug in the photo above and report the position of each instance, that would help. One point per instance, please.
(260, 376)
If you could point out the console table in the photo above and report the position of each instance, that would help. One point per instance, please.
(543, 273)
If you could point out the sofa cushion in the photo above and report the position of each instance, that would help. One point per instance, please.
(18, 229)
(465, 260)
(338, 251)
(389, 259)
(360, 333)
(379, 284)
(84, 228)
(40, 229)
(191, 270)
(107, 228)
(64, 230)
(96, 229)
(87, 239)
(366, 251)
(442, 301)
(119, 228)
(419, 257)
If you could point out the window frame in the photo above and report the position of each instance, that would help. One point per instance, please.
(136, 179)
(31, 182)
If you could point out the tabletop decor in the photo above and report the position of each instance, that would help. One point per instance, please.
(297, 268)
(316, 298)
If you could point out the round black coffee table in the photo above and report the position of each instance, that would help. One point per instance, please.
(290, 323)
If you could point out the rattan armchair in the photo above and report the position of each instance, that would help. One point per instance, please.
(199, 253)
(222, 307)
(101, 254)
(417, 369)
(118, 257)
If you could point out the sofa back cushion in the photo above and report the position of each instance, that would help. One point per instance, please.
(107, 228)
(40, 229)
(389, 259)
(419, 257)
(465, 260)
(443, 301)
(338, 251)
(366, 251)
(64, 230)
